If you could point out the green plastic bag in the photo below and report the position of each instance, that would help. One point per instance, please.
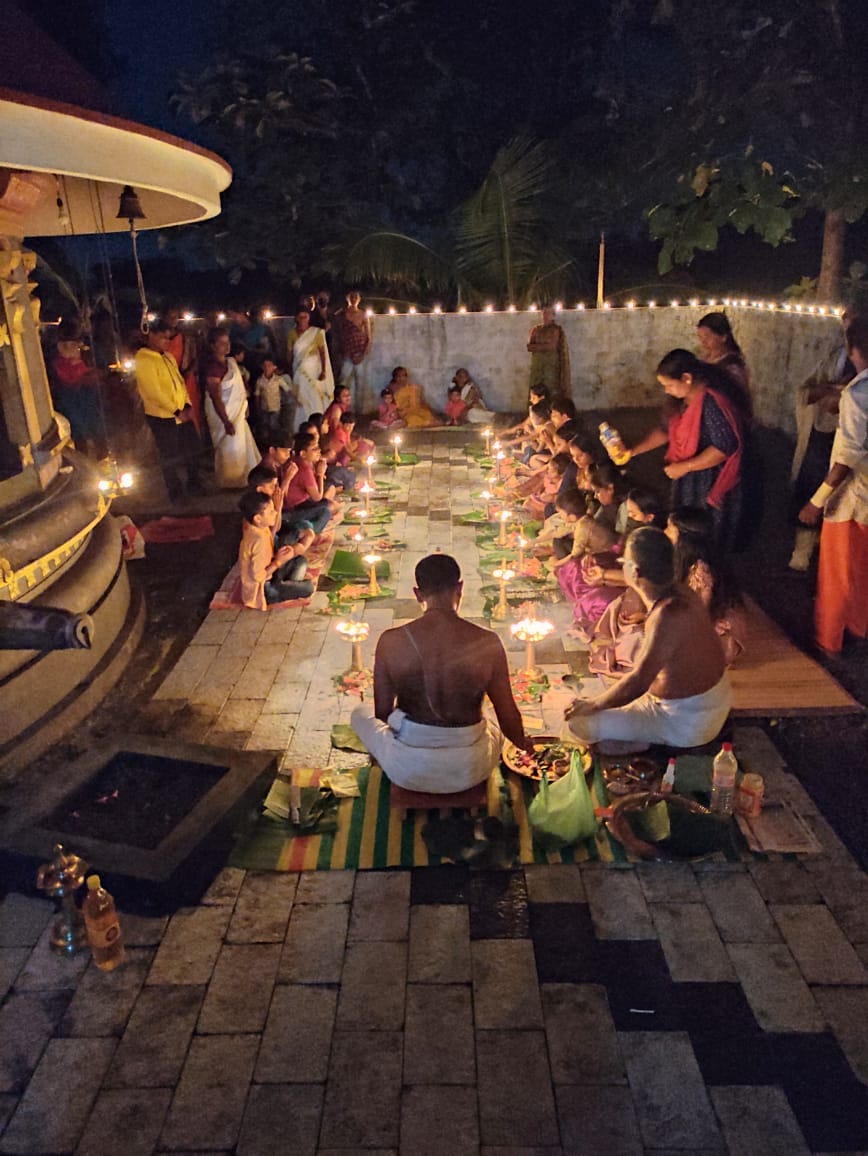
(563, 812)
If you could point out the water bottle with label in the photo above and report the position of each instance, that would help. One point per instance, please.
(723, 781)
(103, 926)
(613, 444)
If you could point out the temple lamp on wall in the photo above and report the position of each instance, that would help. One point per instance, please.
(130, 209)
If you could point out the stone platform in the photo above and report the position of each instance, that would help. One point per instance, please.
(699, 1008)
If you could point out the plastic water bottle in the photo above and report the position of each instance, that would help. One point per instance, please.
(613, 444)
(723, 781)
(667, 784)
(103, 926)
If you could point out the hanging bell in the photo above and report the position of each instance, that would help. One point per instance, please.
(130, 208)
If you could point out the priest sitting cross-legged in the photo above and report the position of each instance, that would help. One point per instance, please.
(426, 729)
(678, 692)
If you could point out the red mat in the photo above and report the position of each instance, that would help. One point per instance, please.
(167, 530)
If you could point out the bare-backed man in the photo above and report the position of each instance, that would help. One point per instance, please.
(678, 693)
(426, 729)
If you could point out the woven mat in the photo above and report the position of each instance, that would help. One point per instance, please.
(371, 833)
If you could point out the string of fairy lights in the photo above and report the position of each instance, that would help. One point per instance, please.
(792, 307)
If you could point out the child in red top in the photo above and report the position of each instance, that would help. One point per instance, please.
(387, 415)
(456, 409)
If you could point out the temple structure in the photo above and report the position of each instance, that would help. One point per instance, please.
(63, 169)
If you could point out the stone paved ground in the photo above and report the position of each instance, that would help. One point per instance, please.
(660, 1008)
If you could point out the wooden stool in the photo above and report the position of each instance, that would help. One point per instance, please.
(472, 800)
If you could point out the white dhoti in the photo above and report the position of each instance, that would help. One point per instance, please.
(676, 722)
(436, 760)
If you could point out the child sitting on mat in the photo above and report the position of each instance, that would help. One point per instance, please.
(268, 575)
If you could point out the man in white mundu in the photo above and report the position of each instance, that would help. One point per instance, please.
(678, 692)
(426, 728)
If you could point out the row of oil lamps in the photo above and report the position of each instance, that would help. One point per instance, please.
(530, 630)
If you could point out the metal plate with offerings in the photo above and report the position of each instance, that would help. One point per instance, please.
(550, 755)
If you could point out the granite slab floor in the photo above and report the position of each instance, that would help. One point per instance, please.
(660, 1008)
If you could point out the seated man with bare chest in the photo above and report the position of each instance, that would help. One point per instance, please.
(426, 729)
(678, 692)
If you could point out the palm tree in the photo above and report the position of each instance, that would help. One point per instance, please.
(499, 242)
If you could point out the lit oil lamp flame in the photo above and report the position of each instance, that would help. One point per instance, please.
(530, 631)
(373, 586)
(504, 516)
(503, 575)
(396, 441)
(355, 633)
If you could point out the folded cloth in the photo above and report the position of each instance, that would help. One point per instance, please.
(418, 757)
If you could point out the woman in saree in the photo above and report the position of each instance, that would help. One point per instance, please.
(718, 346)
(311, 369)
(471, 395)
(704, 432)
(550, 356)
(410, 401)
(235, 452)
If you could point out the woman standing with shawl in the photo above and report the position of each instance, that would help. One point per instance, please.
(550, 356)
(704, 432)
(235, 452)
(311, 369)
(718, 346)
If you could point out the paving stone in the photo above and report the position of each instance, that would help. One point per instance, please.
(286, 697)
(668, 883)
(11, 962)
(52, 1112)
(618, 907)
(190, 946)
(498, 905)
(307, 750)
(298, 1035)
(373, 986)
(670, 1097)
(238, 715)
(209, 1100)
(262, 910)
(187, 672)
(363, 1093)
(821, 949)
(103, 1001)
(758, 1119)
(846, 1009)
(437, 1120)
(693, 949)
(602, 1122)
(213, 630)
(27, 1021)
(381, 905)
(784, 881)
(45, 970)
(554, 883)
(583, 1045)
(498, 1151)
(8, 1104)
(281, 1121)
(448, 884)
(738, 909)
(438, 1036)
(23, 920)
(125, 1120)
(314, 947)
(777, 993)
(224, 888)
(143, 930)
(240, 990)
(273, 732)
(152, 1050)
(515, 1111)
(325, 887)
(505, 984)
(439, 945)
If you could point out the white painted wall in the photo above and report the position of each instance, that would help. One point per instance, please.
(613, 354)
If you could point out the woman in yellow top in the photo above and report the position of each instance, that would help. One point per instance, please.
(411, 404)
